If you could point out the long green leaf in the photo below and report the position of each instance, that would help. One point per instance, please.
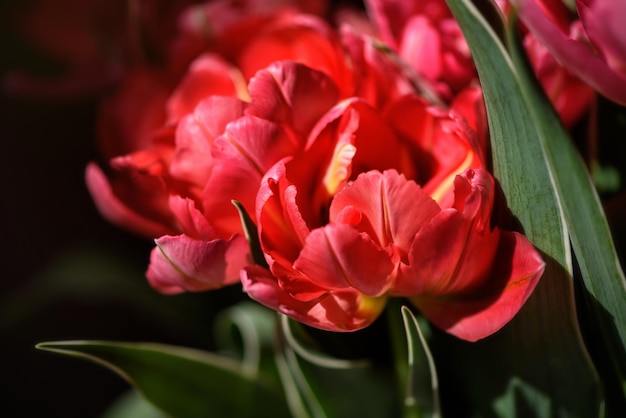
(589, 230)
(538, 364)
(182, 382)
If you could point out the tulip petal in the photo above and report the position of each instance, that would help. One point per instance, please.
(393, 208)
(292, 94)
(572, 54)
(195, 135)
(421, 48)
(338, 311)
(604, 25)
(338, 257)
(453, 253)
(192, 160)
(215, 112)
(180, 263)
(117, 212)
(281, 227)
(300, 38)
(477, 315)
(242, 156)
(208, 75)
(192, 221)
(444, 146)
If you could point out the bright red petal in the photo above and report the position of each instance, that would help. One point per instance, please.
(338, 257)
(281, 227)
(303, 39)
(208, 75)
(292, 94)
(481, 313)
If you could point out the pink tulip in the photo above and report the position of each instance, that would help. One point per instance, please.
(426, 37)
(592, 47)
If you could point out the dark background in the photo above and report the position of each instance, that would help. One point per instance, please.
(65, 272)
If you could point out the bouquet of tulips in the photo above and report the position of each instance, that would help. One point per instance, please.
(401, 189)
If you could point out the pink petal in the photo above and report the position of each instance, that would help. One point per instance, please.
(379, 79)
(453, 253)
(116, 211)
(192, 221)
(192, 161)
(180, 263)
(479, 314)
(421, 48)
(469, 103)
(393, 208)
(604, 25)
(434, 255)
(214, 113)
(445, 258)
(573, 54)
(195, 135)
(443, 146)
(360, 140)
(242, 155)
(338, 257)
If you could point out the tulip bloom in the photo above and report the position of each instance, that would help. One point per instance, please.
(592, 47)
(360, 190)
(372, 210)
(181, 154)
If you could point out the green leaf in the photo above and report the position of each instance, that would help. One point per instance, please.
(183, 382)
(600, 267)
(539, 357)
(422, 387)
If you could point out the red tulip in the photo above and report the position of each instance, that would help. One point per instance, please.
(180, 145)
(345, 225)
(348, 174)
